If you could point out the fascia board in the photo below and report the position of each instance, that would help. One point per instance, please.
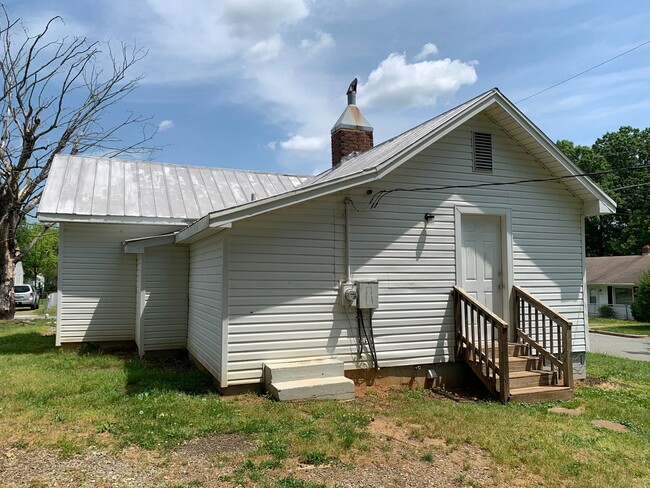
(138, 246)
(90, 219)
(192, 229)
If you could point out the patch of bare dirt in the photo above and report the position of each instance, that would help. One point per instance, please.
(202, 461)
(609, 425)
(602, 383)
(399, 459)
(214, 446)
(396, 456)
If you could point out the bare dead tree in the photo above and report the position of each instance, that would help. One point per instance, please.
(55, 98)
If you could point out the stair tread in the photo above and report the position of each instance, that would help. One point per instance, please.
(538, 389)
(532, 372)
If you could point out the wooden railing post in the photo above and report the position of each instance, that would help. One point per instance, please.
(504, 370)
(567, 359)
(458, 325)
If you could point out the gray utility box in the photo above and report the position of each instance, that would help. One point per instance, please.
(368, 294)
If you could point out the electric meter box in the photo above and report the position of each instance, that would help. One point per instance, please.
(368, 294)
(348, 294)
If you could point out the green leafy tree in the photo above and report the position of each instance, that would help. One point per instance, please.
(627, 153)
(56, 97)
(641, 303)
(43, 257)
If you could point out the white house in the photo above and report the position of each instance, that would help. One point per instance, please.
(244, 268)
(611, 280)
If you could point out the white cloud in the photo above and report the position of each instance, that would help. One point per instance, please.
(301, 143)
(165, 125)
(272, 145)
(266, 50)
(262, 17)
(323, 40)
(395, 83)
(427, 50)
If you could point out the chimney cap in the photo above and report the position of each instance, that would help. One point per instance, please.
(352, 118)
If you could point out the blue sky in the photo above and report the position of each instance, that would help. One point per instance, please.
(258, 84)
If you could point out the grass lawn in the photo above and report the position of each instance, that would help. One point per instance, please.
(69, 403)
(620, 326)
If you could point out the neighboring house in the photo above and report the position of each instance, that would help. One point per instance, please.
(242, 267)
(19, 274)
(611, 280)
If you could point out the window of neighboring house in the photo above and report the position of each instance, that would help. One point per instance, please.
(623, 296)
(593, 296)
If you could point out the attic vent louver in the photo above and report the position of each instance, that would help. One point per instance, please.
(482, 151)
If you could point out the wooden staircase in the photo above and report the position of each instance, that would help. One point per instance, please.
(535, 368)
(529, 383)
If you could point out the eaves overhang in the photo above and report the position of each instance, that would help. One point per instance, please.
(111, 219)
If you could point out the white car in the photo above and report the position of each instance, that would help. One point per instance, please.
(26, 295)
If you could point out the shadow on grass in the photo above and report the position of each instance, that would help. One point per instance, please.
(169, 374)
(26, 343)
(172, 372)
(175, 373)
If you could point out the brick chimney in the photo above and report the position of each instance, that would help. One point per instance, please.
(645, 250)
(352, 132)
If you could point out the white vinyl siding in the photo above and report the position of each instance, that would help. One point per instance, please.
(97, 282)
(165, 309)
(138, 303)
(205, 303)
(285, 265)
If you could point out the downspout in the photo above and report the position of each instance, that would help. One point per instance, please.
(348, 274)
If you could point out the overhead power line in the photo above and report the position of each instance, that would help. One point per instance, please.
(583, 72)
(377, 197)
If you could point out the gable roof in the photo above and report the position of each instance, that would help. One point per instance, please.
(361, 169)
(82, 188)
(616, 270)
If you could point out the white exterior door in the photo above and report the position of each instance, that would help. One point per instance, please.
(481, 269)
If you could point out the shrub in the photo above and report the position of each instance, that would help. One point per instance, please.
(641, 303)
(606, 311)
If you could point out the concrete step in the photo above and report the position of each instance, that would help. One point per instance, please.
(331, 388)
(523, 363)
(537, 394)
(281, 372)
(524, 379)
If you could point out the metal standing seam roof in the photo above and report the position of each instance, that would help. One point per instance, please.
(616, 270)
(82, 186)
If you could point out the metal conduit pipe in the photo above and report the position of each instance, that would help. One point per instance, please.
(348, 273)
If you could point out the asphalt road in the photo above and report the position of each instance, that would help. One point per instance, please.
(623, 347)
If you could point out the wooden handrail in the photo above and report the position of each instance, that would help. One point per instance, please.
(487, 311)
(554, 328)
(539, 305)
(480, 334)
